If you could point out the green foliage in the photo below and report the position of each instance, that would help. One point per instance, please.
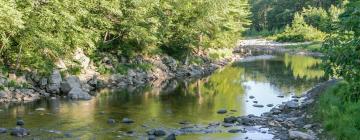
(34, 34)
(342, 50)
(74, 70)
(299, 31)
(276, 14)
(317, 17)
(339, 116)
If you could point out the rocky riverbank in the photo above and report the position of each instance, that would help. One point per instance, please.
(31, 86)
(247, 47)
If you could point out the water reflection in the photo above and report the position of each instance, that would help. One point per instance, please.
(196, 101)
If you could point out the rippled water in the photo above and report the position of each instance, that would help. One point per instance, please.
(197, 101)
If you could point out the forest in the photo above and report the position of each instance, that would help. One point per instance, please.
(36, 34)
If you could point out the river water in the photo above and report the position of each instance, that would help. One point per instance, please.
(266, 77)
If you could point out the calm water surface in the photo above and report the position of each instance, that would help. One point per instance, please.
(197, 101)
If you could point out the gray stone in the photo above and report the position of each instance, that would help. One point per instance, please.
(237, 131)
(251, 97)
(3, 130)
(127, 120)
(79, 94)
(291, 104)
(222, 111)
(54, 82)
(231, 119)
(156, 132)
(269, 105)
(151, 137)
(19, 132)
(171, 137)
(257, 105)
(70, 83)
(300, 135)
(111, 121)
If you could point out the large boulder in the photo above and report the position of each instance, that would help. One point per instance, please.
(54, 82)
(300, 135)
(78, 94)
(70, 83)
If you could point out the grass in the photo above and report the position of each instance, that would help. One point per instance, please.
(340, 117)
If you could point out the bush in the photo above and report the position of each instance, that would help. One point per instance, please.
(339, 116)
(299, 31)
(342, 53)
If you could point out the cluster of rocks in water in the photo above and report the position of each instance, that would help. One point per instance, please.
(18, 131)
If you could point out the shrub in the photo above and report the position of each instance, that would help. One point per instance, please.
(299, 31)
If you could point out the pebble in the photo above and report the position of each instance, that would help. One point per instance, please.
(127, 120)
(257, 105)
(237, 131)
(255, 102)
(111, 121)
(251, 97)
(269, 105)
(281, 96)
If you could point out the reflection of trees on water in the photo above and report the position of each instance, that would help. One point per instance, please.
(289, 73)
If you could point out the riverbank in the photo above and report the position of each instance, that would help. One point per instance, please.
(31, 86)
(263, 45)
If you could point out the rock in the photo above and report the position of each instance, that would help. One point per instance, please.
(3, 130)
(255, 102)
(291, 105)
(269, 105)
(81, 58)
(222, 111)
(43, 82)
(231, 119)
(237, 131)
(127, 120)
(67, 135)
(227, 125)
(20, 122)
(159, 133)
(70, 83)
(93, 81)
(251, 97)
(281, 96)
(19, 132)
(79, 94)
(171, 137)
(257, 105)
(54, 84)
(60, 64)
(300, 135)
(111, 121)
(151, 137)
(156, 132)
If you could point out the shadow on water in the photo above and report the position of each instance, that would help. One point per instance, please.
(164, 106)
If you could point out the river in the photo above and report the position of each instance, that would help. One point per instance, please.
(270, 79)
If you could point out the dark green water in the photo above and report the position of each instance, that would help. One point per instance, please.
(196, 101)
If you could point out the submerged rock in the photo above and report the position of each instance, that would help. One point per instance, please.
(269, 105)
(222, 111)
(156, 132)
(237, 131)
(127, 120)
(111, 121)
(251, 97)
(257, 105)
(19, 132)
(3, 130)
(231, 119)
